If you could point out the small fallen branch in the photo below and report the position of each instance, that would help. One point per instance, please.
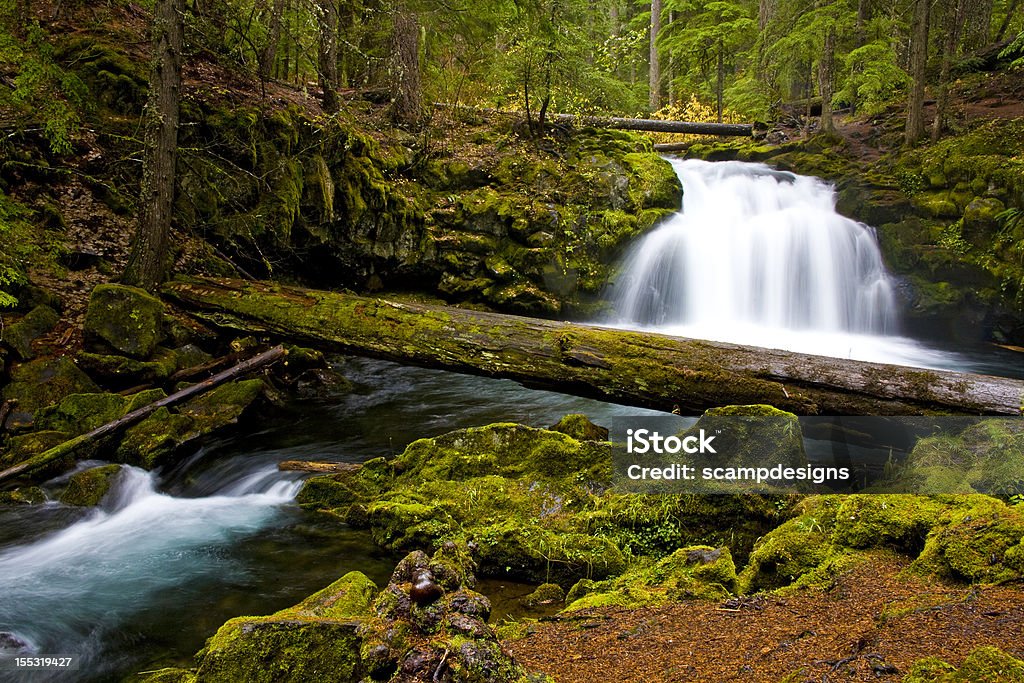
(318, 467)
(68, 448)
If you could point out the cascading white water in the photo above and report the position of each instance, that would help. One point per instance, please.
(758, 256)
(64, 593)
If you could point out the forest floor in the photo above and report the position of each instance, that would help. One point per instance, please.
(870, 624)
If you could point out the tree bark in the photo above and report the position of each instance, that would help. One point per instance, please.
(952, 23)
(825, 69)
(654, 80)
(643, 369)
(407, 94)
(327, 56)
(150, 257)
(918, 65)
(268, 56)
(720, 86)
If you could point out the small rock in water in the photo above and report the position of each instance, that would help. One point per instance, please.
(12, 643)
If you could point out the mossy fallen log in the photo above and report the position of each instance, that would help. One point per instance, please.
(644, 369)
(67, 449)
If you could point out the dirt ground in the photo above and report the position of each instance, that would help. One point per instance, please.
(870, 624)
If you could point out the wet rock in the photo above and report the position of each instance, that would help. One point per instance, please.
(26, 495)
(12, 643)
(124, 371)
(24, 446)
(88, 487)
(124, 320)
(424, 589)
(20, 335)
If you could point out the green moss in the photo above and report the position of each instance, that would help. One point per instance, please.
(983, 665)
(580, 428)
(124, 319)
(786, 554)
(153, 441)
(898, 521)
(88, 487)
(42, 383)
(25, 446)
(696, 572)
(224, 405)
(971, 539)
(986, 457)
(545, 594)
(122, 370)
(20, 335)
(312, 640)
(168, 676)
(26, 495)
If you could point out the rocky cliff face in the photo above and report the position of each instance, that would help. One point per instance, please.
(492, 219)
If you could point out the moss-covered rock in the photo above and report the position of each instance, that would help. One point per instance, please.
(122, 370)
(696, 572)
(545, 594)
(580, 428)
(977, 539)
(986, 457)
(42, 383)
(224, 405)
(89, 486)
(150, 443)
(80, 413)
(20, 335)
(125, 320)
(26, 495)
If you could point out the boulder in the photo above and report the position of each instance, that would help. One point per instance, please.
(124, 320)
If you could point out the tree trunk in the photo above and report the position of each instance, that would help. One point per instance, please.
(952, 22)
(643, 369)
(268, 56)
(977, 23)
(1010, 12)
(918, 64)
(658, 125)
(150, 257)
(721, 77)
(825, 68)
(655, 70)
(863, 16)
(765, 13)
(407, 93)
(327, 56)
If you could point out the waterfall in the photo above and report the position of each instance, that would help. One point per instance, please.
(760, 257)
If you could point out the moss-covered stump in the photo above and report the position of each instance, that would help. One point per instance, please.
(20, 335)
(983, 665)
(691, 573)
(124, 320)
(89, 486)
(425, 625)
(41, 383)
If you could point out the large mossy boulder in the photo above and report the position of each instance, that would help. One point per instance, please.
(41, 383)
(535, 504)
(124, 320)
(80, 413)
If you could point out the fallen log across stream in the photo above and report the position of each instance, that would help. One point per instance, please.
(636, 368)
